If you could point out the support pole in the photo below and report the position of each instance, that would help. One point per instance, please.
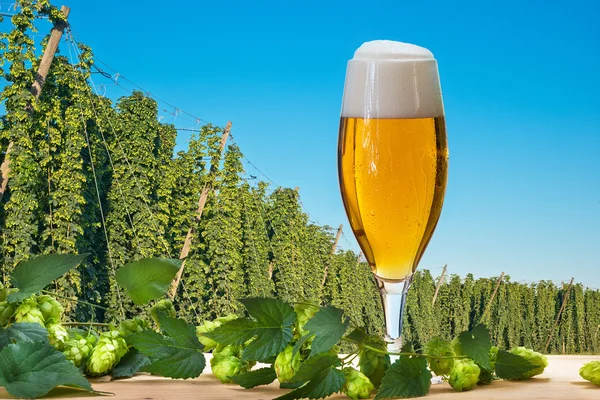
(333, 248)
(562, 307)
(439, 284)
(489, 305)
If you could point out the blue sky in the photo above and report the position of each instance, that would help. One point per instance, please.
(520, 85)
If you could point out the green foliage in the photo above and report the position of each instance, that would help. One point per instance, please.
(407, 377)
(147, 279)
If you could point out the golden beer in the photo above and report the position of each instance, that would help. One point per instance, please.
(392, 154)
(393, 177)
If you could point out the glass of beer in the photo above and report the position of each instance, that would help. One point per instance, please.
(392, 164)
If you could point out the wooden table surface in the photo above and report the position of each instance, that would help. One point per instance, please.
(561, 380)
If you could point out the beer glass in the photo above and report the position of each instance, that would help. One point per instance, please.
(392, 164)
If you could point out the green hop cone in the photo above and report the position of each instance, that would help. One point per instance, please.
(164, 306)
(207, 326)
(58, 335)
(304, 312)
(464, 375)
(51, 309)
(493, 357)
(28, 311)
(78, 349)
(373, 364)
(129, 326)
(357, 385)
(485, 377)
(457, 347)
(224, 367)
(287, 364)
(591, 372)
(440, 348)
(109, 350)
(7, 311)
(537, 359)
(227, 351)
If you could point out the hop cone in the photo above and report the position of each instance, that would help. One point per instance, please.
(207, 326)
(440, 348)
(357, 385)
(164, 306)
(591, 372)
(225, 366)
(539, 360)
(493, 356)
(287, 364)
(304, 312)
(107, 353)
(28, 311)
(373, 364)
(78, 349)
(464, 375)
(129, 326)
(58, 335)
(6, 312)
(227, 351)
(51, 309)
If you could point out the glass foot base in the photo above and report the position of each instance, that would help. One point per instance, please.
(393, 299)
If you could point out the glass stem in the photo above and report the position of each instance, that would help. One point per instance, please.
(393, 299)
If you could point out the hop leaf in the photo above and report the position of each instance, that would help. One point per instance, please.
(464, 375)
(7, 311)
(287, 364)
(373, 364)
(440, 348)
(591, 372)
(108, 352)
(537, 359)
(28, 311)
(357, 385)
(51, 309)
(162, 306)
(58, 335)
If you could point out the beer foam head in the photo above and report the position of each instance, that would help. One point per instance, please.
(387, 79)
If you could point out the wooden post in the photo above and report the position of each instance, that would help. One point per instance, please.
(489, 305)
(439, 284)
(36, 88)
(562, 307)
(185, 250)
(333, 248)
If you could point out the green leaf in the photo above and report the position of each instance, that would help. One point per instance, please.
(315, 365)
(30, 370)
(328, 325)
(477, 344)
(23, 332)
(131, 363)
(33, 275)
(271, 325)
(299, 343)
(324, 384)
(147, 279)
(358, 336)
(262, 376)
(178, 356)
(511, 366)
(407, 377)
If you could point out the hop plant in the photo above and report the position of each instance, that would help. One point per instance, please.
(28, 311)
(287, 364)
(456, 346)
(373, 364)
(464, 375)
(129, 326)
(440, 348)
(485, 377)
(493, 356)
(78, 349)
(227, 318)
(227, 351)
(209, 326)
(165, 306)
(51, 309)
(7, 311)
(109, 350)
(3, 293)
(357, 385)
(58, 335)
(591, 372)
(304, 312)
(537, 359)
